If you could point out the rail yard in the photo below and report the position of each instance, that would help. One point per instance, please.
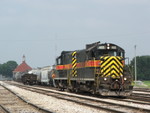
(74, 56)
(51, 100)
(11, 102)
(92, 80)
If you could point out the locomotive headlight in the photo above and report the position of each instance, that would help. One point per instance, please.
(105, 79)
(125, 78)
(108, 46)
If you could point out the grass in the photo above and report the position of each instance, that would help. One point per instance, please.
(143, 84)
(147, 83)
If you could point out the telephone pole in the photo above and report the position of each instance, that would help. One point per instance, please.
(135, 66)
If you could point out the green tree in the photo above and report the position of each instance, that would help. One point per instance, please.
(143, 67)
(7, 68)
(0, 68)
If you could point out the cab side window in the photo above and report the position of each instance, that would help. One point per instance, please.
(58, 61)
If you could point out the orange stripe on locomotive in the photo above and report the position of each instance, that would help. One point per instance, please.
(90, 63)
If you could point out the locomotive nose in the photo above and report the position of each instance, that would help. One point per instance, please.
(111, 66)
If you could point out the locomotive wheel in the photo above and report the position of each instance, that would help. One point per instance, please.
(69, 90)
(77, 90)
(93, 92)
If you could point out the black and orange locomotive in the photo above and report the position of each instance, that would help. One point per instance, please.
(99, 69)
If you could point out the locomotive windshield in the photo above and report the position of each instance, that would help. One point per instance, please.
(108, 50)
(100, 53)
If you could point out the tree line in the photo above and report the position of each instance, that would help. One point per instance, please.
(6, 69)
(143, 67)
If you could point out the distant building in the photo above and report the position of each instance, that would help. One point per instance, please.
(21, 69)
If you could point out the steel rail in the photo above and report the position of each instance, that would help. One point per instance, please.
(4, 109)
(46, 92)
(35, 106)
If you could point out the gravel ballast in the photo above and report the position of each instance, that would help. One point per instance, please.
(51, 103)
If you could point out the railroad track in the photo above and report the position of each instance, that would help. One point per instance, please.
(109, 105)
(142, 89)
(10, 102)
(140, 96)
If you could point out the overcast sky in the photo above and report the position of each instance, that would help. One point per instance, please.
(41, 29)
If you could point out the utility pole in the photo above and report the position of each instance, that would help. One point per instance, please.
(55, 41)
(135, 66)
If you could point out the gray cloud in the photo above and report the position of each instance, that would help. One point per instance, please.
(41, 29)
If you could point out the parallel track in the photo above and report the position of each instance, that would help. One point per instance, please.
(142, 89)
(10, 102)
(85, 100)
(140, 97)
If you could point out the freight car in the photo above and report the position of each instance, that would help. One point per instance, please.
(39, 76)
(99, 69)
(44, 76)
(29, 78)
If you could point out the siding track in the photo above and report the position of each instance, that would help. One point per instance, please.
(110, 105)
(10, 102)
